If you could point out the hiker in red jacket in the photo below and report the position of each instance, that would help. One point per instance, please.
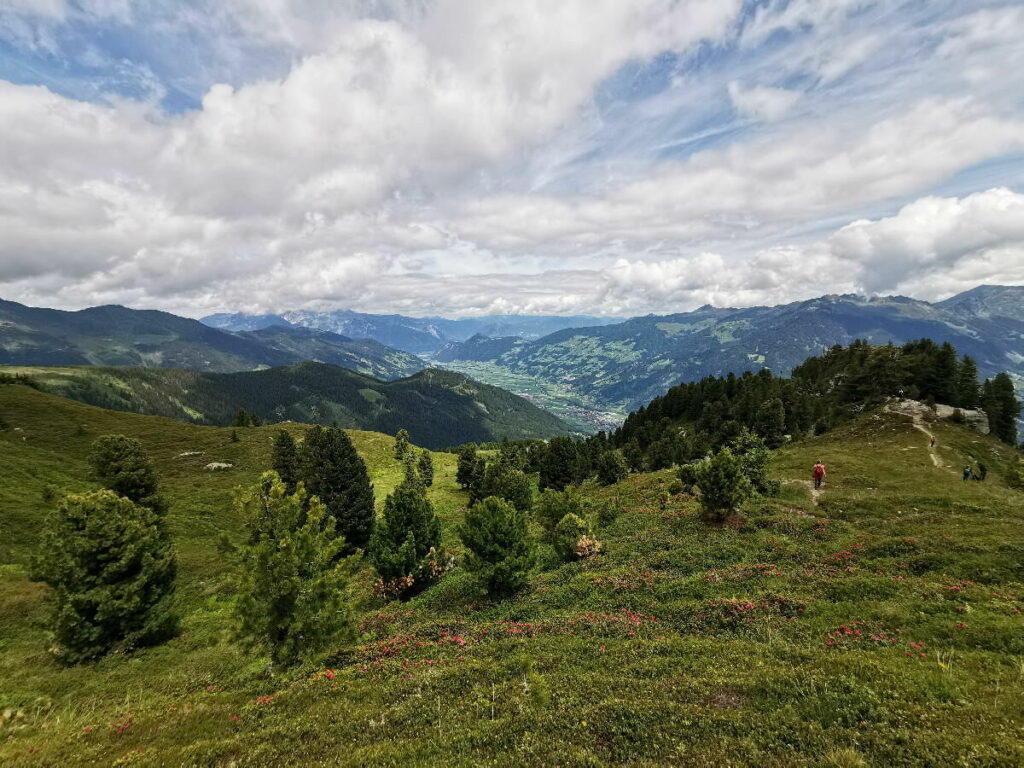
(818, 473)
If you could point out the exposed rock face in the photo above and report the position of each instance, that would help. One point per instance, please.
(976, 420)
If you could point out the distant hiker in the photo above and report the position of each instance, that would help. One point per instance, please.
(932, 443)
(818, 473)
(982, 472)
(967, 473)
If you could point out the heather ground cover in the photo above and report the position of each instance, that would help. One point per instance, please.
(879, 624)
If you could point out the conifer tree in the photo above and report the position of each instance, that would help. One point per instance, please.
(426, 468)
(466, 465)
(560, 464)
(771, 422)
(401, 444)
(723, 485)
(611, 468)
(408, 530)
(506, 482)
(498, 548)
(1002, 408)
(110, 567)
(967, 391)
(412, 478)
(552, 506)
(292, 576)
(570, 529)
(285, 459)
(476, 480)
(333, 471)
(120, 465)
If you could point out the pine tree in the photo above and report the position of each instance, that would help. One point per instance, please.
(426, 468)
(498, 549)
(771, 422)
(723, 485)
(560, 464)
(552, 506)
(1002, 408)
(466, 465)
(506, 482)
(401, 444)
(943, 379)
(110, 567)
(285, 459)
(407, 532)
(611, 468)
(967, 391)
(412, 478)
(333, 471)
(120, 465)
(754, 457)
(292, 577)
(570, 529)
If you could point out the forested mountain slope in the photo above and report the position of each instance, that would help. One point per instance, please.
(115, 335)
(438, 408)
(630, 363)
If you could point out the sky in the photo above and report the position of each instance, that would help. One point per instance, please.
(455, 157)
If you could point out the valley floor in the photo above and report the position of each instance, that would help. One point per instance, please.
(877, 625)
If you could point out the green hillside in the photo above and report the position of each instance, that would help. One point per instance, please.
(119, 336)
(877, 624)
(438, 408)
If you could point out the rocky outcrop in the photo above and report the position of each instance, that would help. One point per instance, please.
(976, 420)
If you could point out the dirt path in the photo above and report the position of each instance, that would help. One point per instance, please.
(809, 485)
(918, 424)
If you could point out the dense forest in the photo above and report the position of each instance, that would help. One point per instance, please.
(692, 419)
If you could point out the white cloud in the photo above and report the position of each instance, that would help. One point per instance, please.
(762, 102)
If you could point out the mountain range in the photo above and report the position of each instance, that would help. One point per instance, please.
(418, 335)
(118, 336)
(438, 408)
(627, 364)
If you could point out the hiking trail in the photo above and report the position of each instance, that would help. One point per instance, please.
(918, 423)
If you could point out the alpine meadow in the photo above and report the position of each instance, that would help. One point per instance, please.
(440, 383)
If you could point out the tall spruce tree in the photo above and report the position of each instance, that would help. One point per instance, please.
(292, 576)
(560, 464)
(120, 465)
(466, 464)
(1002, 407)
(401, 444)
(332, 470)
(285, 459)
(498, 548)
(110, 567)
(426, 468)
(408, 530)
(968, 394)
(611, 468)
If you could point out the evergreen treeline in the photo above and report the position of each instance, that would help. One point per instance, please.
(694, 419)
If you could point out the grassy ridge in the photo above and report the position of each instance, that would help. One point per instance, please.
(783, 641)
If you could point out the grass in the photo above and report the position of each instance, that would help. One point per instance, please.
(646, 655)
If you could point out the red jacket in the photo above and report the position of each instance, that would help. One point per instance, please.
(818, 471)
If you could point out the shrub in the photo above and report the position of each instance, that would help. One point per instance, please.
(754, 455)
(291, 576)
(552, 506)
(110, 567)
(611, 468)
(570, 531)
(675, 488)
(408, 531)
(723, 485)
(498, 549)
(120, 465)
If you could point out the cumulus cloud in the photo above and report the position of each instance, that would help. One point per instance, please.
(390, 166)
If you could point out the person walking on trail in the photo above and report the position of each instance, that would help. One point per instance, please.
(967, 473)
(818, 473)
(932, 443)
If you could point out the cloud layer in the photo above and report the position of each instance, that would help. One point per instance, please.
(461, 158)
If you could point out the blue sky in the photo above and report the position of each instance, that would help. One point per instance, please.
(449, 157)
